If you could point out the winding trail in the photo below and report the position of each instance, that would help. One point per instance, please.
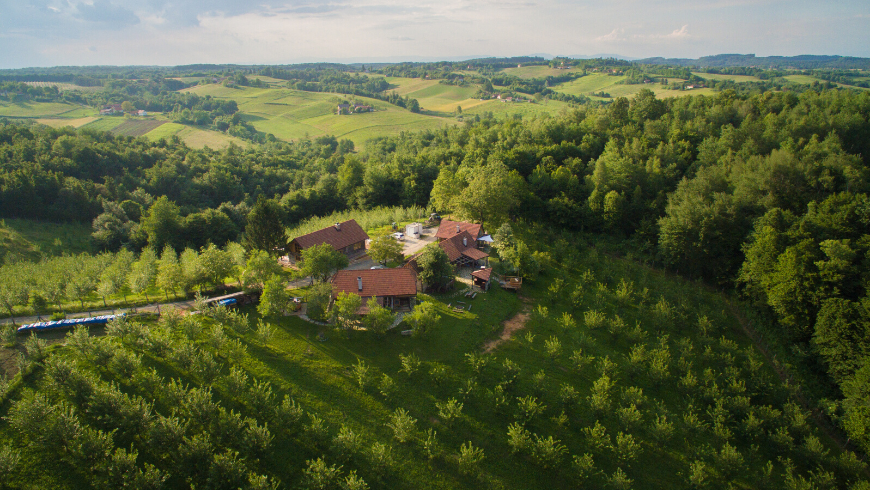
(511, 325)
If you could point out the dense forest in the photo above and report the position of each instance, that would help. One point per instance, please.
(764, 193)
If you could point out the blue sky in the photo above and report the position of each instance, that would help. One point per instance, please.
(171, 32)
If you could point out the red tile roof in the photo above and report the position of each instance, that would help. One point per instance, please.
(447, 229)
(455, 248)
(376, 282)
(483, 274)
(350, 233)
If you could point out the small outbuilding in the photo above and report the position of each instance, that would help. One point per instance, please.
(414, 230)
(482, 278)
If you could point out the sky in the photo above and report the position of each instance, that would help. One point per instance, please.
(176, 32)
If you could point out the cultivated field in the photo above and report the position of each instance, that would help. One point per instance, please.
(136, 127)
(74, 123)
(195, 137)
(104, 123)
(538, 71)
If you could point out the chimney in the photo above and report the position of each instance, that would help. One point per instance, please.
(359, 282)
(464, 241)
(338, 227)
(457, 228)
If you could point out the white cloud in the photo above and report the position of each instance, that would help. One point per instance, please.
(615, 35)
(680, 33)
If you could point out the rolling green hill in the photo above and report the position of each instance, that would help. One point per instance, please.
(599, 82)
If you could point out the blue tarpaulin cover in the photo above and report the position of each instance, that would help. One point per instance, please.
(69, 323)
(227, 302)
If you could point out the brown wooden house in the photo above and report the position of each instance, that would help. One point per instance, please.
(462, 250)
(449, 229)
(348, 238)
(393, 288)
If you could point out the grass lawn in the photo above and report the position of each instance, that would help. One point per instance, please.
(33, 239)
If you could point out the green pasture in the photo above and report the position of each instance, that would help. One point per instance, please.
(610, 84)
(106, 123)
(719, 76)
(30, 109)
(539, 71)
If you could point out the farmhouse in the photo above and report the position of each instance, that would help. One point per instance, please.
(343, 109)
(111, 109)
(393, 288)
(449, 229)
(461, 250)
(348, 238)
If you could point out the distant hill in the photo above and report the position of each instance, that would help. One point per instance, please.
(802, 62)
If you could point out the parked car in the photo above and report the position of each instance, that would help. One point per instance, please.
(378, 267)
(399, 236)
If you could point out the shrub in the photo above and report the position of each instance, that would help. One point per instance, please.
(469, 458)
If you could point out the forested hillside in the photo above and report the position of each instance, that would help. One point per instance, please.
(765, 193)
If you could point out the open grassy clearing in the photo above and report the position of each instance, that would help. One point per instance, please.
(60, 123)
(33, 239)
(538, 71)
(719, 76)
(609, 84)
(29, 109)
(65, 86)
(657, 366)
(195, 137)
(509, 109)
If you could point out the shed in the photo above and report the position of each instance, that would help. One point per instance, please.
(414, 230)
(481, 278)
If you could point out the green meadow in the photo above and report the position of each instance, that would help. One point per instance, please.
(598, 82)
(537, 71)
(31, 239)
(30, 109)
(293, 114)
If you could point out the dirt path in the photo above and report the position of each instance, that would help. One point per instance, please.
(511, 325)
(818, 417)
